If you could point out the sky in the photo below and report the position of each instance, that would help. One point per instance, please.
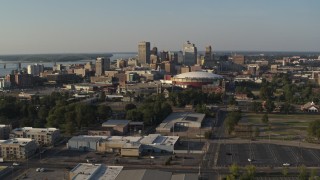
(84, 26)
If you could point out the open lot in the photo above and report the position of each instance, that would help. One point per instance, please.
(282, 126)
(267, 155)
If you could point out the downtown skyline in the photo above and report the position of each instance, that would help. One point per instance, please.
(118, 26)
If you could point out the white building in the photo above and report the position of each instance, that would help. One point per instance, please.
(181, 119)
(127, 145)
(90, 171)
(35, 69)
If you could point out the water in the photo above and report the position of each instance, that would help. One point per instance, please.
(10, 66)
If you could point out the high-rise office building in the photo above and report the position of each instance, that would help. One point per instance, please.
(208, 57)
(144, 52)
(190, 54)
(35, 69)
(102, 64)
(164, 56)
(99, 66)
(154, 51)
(180, 57)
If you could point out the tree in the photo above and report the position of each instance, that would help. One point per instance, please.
(70, 128)
(313, 175)
(256, 132)
(134, 115)
(285, 171)
(265, 118)
(232, 100)
(250, 171)
(303, 174)
(102, 96)
(269, 106)
(232, 120)
(130, 106)
(104, 112)
(230, 177)
(234, 170)
(287, 108)
(314, 129)
(256, 107)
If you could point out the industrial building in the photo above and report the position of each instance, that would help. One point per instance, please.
(102, 172)
(43, 136)
(181, 119)
(94, 172)
(17, 148)
(124, 145)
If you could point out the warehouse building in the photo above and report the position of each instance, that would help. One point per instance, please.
(84, 143)
(94, 172)
(177, 120)
(125, 145)
(102, 172)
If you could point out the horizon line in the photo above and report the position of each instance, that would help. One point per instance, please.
(131, 52)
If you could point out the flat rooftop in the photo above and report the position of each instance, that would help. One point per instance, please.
(20, 141)
(87, 171)
(113, 122)
(38, 130)
(181, 117)
(88, 138)
(157, 139)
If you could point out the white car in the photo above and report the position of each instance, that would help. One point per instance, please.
(15, 164)
(286, 164)
(40, 169)
(249, 160)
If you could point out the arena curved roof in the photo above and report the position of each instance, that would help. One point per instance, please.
(198, 75)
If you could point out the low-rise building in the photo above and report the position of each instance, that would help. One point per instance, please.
(181, 119)
(17, 148)
(119, 127)
(43, 136)
(143, 174)
(124, 145)
(90, 171)
(310, 107)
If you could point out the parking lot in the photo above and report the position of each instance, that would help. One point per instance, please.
(267, 155)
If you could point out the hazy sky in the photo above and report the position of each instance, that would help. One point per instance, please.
(66, 26)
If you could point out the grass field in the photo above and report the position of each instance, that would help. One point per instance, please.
(281, 126)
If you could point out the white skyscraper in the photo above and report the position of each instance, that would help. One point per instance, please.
(189, 54)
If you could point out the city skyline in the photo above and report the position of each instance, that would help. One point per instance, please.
(36, 27)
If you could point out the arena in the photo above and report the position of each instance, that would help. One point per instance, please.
(196, 79)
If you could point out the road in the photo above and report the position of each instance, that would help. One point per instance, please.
(210, 157)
